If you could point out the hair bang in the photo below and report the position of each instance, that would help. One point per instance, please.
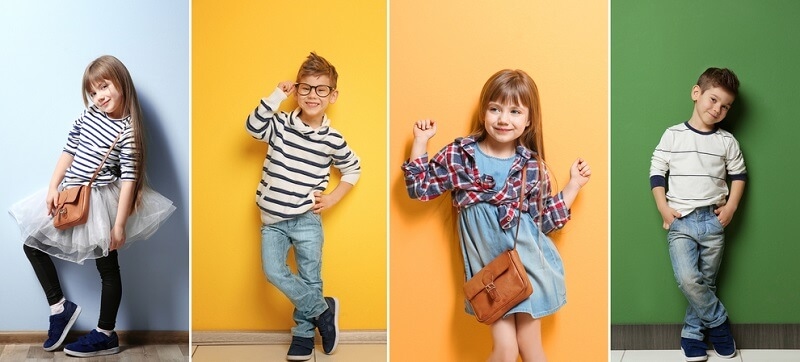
(511, 93)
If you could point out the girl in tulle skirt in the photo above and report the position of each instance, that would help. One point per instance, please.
(122, 208)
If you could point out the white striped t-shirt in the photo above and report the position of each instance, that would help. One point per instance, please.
(298, 159)
(90, 138)
(698, 164)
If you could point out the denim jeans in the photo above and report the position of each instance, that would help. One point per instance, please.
(303, 289)
(696, 243)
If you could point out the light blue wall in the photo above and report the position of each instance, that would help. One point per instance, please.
(44, 48)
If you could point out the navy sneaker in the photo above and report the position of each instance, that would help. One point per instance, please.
(722, 340)
(60, 325)
(93, 344)
(328, 325)
(301, 349)
(693, 349)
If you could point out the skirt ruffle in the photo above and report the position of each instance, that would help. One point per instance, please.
(90, 240)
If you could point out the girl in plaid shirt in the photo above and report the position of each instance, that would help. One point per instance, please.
(483, 171)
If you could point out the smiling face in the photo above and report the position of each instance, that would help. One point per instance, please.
(710, 107)
(104, 95)
(313, 106)
(504, 124)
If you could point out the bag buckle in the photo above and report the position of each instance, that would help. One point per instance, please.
(491, 289)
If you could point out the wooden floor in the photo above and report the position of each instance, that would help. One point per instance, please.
(30, 352)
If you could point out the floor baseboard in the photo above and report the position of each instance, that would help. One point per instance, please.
(282, 337)
(668, 336)
(125, 337)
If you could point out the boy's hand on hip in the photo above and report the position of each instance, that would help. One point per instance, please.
(323, 202)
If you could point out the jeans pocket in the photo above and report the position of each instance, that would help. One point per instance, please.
(717, 223)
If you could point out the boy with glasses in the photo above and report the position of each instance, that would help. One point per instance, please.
(296, 170)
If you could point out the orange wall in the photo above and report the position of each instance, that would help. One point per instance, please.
(441, 53)
(240, 51)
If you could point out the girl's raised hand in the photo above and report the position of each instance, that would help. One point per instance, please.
(424, 129)
(287, 87)
(580, 172)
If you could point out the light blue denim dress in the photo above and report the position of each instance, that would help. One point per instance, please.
(482, 239)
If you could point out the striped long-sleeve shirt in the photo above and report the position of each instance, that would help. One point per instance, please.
(298, 159)
(88, 141)
(697, 163)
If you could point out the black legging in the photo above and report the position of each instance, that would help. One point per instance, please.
(111, 293)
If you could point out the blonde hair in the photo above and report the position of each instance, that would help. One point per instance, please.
(112, 69)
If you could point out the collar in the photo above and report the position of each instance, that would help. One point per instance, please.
(297, 124)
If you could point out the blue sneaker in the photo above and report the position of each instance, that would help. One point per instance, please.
(93, 344)
(693, 349)
(301, 349)
(328, 325)
(60, 325)
(722, 340)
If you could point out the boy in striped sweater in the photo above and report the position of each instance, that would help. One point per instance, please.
(697, 157)
(296, 171)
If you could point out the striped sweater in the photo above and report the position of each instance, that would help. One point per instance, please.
(88, 141)
(298, 159)
(698, 164)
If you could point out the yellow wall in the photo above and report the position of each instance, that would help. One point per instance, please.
(442, 52)
(240, 51)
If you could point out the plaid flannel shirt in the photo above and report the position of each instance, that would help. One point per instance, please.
(454, 169)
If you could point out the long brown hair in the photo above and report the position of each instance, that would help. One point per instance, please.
(515, 86)
(110, 68)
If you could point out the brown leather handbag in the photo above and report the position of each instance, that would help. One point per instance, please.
(72, 205)
(501, 284)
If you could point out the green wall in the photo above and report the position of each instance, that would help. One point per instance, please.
(658, 49)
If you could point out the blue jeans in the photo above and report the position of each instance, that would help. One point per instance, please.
(303, 289)
(696, 242)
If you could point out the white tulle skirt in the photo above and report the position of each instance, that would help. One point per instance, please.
(90, 240)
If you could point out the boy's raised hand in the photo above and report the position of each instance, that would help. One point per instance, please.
(287, 87)
(424, 129)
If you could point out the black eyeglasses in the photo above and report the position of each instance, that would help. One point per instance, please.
(304, 89)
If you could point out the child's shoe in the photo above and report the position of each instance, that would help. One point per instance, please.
(328, 325)
(722, 340)
(60, 325)
(693, 349)
(93, 344)
(301, 349)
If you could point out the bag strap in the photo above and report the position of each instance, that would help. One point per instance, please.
(97, 172)
(521, 199)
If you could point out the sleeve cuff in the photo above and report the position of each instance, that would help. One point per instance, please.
(658, 181)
